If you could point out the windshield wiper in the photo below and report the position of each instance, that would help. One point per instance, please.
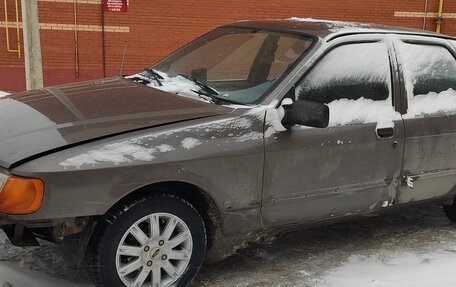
(152, 74)
(208, 90)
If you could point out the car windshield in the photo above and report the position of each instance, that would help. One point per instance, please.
(231, 65)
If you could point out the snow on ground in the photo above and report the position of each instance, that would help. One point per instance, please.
(13, 273)
(43, 266)
(389, 270)
(414, 248)
(3, 94)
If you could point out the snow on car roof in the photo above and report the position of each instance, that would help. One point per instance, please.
(324, 28)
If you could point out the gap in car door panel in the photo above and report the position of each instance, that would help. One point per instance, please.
(313, 174)
(430, 122)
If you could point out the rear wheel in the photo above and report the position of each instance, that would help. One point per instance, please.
(157, 242)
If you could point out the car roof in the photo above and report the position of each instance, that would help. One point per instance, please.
(329, 29)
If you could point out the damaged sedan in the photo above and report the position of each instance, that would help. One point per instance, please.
(254, 126)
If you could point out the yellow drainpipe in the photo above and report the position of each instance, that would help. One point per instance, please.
(8, 46)
(440, 17)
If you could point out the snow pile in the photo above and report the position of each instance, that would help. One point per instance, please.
(189, 143)
(354, 64)
(3, 94)
(334, 69)
(336, 25)
(402, 269)
(175, 85)
(19, 277)
(420, 63)
(142, 148)
(251, 136)
(443, 103)
(274, 119)
(116, 153)
(345, 112)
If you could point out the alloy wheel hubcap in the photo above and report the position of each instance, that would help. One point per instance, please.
(155, 251)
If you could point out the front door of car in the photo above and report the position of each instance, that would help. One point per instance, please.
(429, 72)
(354, 164)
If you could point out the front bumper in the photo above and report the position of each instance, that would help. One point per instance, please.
(25, 233)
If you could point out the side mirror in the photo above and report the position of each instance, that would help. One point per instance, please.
(306, 113)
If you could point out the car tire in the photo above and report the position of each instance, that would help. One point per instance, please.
(156, 241)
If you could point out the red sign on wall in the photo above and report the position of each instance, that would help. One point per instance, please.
(115, 5)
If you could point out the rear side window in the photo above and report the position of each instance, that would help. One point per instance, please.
(430, 75)
(355, 81)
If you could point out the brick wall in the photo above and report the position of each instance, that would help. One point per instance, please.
(151, 29)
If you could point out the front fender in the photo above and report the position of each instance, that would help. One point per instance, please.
(223, 157)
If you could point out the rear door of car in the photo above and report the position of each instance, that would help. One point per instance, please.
(428, 68)
(353, 165)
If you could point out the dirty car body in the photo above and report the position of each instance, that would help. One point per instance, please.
(239, 147)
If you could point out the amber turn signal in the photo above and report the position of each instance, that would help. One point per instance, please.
(21, 195)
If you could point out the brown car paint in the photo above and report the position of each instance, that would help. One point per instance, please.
(255, 183)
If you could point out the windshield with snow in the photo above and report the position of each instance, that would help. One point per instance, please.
(228, 65)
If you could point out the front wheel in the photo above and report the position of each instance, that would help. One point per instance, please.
(157, 242)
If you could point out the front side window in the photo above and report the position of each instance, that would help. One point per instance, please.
(239, 64)
(355, 81)
(430, 74)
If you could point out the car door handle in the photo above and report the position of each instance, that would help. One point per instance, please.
(385, 132)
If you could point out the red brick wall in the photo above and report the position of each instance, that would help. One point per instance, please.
(159, 27)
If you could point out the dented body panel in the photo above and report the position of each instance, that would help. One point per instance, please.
(66, 115)
(132, 136)
(429, 163)
(312, 174)
(429, 159)
(222, 156)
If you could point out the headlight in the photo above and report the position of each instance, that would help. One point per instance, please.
(20, 195)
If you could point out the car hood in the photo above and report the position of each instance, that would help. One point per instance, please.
(36, 122)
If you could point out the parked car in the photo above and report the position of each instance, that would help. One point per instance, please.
(254, 126)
